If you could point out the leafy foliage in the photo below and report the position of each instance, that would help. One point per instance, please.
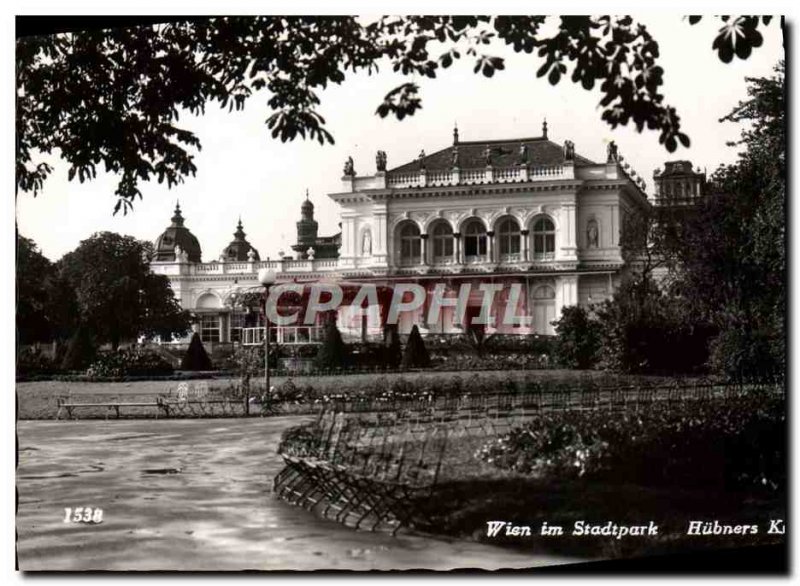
(34, 322)
(733, 257)
(738, 36)
(118, 297)
(111, 100)
(32, 360)
(645, 330)
(196, 357)
(415, 355)
(578, 340)
(733, 444)
(129, 362)
(81, 350)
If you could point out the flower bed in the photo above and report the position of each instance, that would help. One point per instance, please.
(129, 362)
(736, 443)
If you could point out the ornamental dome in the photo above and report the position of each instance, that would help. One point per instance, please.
(307, 209)
(176, 234)
(239, 248)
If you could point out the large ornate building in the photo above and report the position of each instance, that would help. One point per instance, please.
(527, 211)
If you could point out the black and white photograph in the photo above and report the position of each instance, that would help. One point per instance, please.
(400, 292)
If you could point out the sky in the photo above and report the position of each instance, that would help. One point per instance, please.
(243, 171)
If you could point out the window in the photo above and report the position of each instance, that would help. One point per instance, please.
(544, 238)
(236, 324)
(475, 239)
(209, 328)
(544, 310)
(508, 237)
(410, 244)
(442, 242)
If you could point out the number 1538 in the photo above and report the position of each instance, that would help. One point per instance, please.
(83, 515)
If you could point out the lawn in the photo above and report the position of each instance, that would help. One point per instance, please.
(38, 399)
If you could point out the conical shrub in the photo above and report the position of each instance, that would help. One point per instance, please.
(196, 357)
(415, 354)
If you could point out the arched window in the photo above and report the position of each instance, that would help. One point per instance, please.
(442, 242)
(544, 238)
(508, 237)
(544, 292)
(410, 244)
(475, 240)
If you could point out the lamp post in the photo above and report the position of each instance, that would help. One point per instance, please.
(267, 278)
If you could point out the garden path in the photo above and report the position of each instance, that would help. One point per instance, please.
(195, 495)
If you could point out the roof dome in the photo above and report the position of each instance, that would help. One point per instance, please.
(176, 234)
(239, 248)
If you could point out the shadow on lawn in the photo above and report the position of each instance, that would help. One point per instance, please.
(463, 509)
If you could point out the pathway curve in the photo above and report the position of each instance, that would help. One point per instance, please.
(195, 495)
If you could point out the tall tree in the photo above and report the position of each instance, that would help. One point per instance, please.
(34, 320)
(734, 255)
(111, 99)
(118, 296)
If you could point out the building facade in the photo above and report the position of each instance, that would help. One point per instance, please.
(524, 211)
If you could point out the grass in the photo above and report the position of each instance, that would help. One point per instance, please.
(38, 399)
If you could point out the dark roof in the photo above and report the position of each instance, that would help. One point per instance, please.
(176, 233)
(504, 153)
(239, 247)
(677, 168)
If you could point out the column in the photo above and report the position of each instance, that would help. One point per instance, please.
(566, 292)
(456, 248)
(523, 234)
(347, 252)
(568, 228)
(380, 236)
(423, 259)
(490, 245)
(223, 329)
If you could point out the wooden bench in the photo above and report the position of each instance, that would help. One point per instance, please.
(67, 403)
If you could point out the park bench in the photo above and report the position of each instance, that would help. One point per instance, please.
(69, 404)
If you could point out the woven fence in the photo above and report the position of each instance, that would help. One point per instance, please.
(364, 463)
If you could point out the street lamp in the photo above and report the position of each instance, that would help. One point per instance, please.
(267, 278)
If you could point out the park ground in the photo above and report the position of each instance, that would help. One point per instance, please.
(38, 399)
(196, 495)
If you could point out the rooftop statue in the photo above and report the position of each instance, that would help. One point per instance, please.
(569, 150)
(613, 154)
(380, 161)
(349, 169)
(523, 154)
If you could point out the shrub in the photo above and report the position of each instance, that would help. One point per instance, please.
(129, 362)
(31, 361)
(578, 338)
(415, 354)
(247, 362)
(393, 352)
(333, 352)
(742, 354)
(643, 330)
(196, 357)
(733, 443)
(80, 350)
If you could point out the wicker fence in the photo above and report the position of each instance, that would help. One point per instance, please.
(364, 463)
